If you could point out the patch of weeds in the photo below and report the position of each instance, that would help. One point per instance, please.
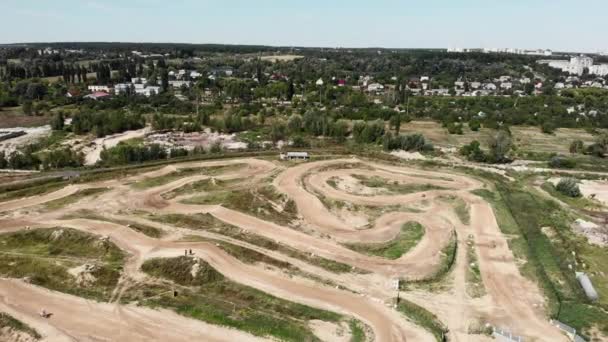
(475, 287)
(394, 186)
(44, 256)
(7, 321)
(422, 317)
(209, 223)
(448, 258)
(67, 200)
(262, 201)
(138, 227)
(408, 237)
(206, 295)
(7, 194)
(357, 331)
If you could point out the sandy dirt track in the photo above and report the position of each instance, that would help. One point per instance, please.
(510, 301)
(77, 319)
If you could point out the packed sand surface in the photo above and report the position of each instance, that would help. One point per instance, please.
(510, 300)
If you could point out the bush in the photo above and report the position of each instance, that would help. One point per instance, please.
(577, 146)
(454, 128)
(474, 125)
(547, 127)
(473, 152)
(561, 162)
(568, 187)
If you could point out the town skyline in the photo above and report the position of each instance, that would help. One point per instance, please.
(383, 24)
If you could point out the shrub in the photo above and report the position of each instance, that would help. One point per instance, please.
(473, 152)
(577, 146)
(568, 187)
(561, 162)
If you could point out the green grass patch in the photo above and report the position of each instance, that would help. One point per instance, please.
(209, 223)
(205, 185)
(185, 172)
(246, 255)
(474, 283)
(210, 297)
(7, 321)
(395, 186)
(262, 201)
(523, 214)
(44, 256)
(8, 194)
(422, 317)
(67, 200)
(357, 331)
(408, 238)
(462, 211)
(446, 262)
(150, 231)
(581, 203)
(152, 182)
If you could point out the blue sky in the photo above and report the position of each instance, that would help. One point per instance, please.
(558, 24)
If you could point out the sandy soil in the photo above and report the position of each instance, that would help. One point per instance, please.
(596, 189)
(92, 153)
(32, 135)
(511, 301)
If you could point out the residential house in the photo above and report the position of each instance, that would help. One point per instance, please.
(98, 95)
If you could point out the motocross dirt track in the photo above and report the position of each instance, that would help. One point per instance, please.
(511, 301)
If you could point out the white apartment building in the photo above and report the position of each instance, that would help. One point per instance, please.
(104, 88)
(575, 66)
(600, 69)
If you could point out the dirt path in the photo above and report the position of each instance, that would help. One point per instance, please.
(77, 319)
(511, 301)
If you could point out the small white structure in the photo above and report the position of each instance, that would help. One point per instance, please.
(319, 82)
(147, 91)
(121, 88)
(179, 84)
(96, 88)
(489, 86)
(294, 156)
(506, 85)
(138, 80)
(375, 87)
(587, 286)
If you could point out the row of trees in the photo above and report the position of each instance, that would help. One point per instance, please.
(105, 123)
(30, 159)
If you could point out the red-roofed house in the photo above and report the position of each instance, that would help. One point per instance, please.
(98, 95)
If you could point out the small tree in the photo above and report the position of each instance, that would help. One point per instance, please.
(27, 107)
(561, 162)
(568, 187)
(577, 146)
(547, 127)
(58, 121)
(474, 125)
(500, 145)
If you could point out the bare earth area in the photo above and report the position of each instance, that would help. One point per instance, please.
(365, 293)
